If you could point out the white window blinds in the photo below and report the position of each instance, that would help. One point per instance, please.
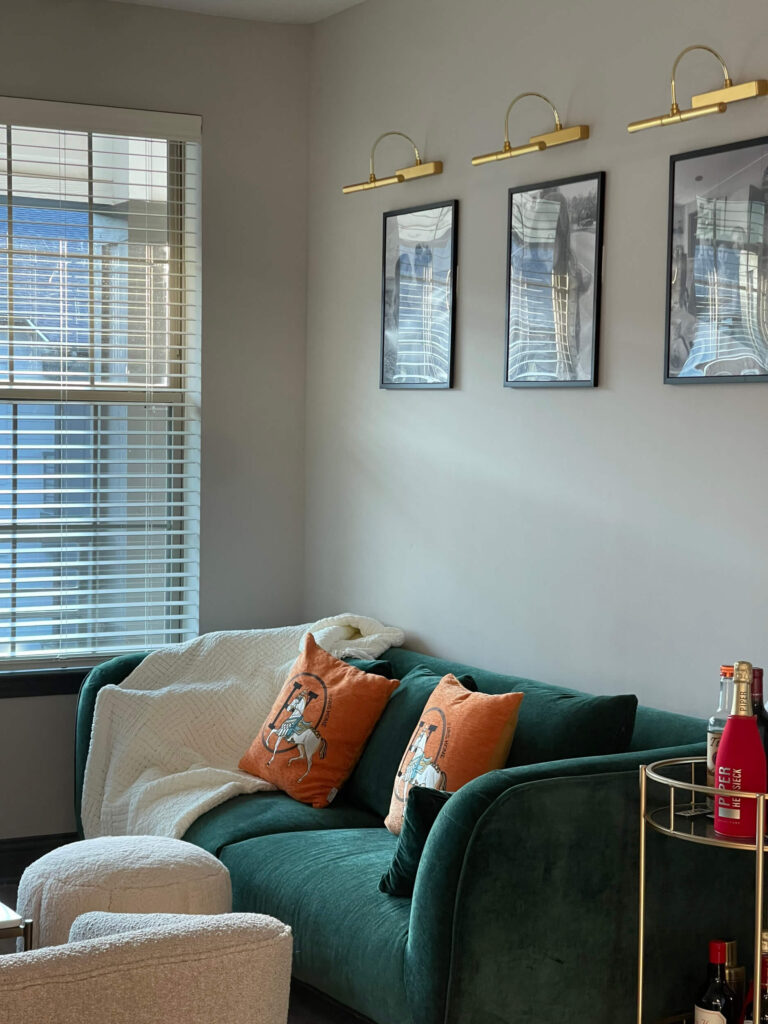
(99, 381)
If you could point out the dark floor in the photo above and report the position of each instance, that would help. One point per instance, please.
(307, 1007)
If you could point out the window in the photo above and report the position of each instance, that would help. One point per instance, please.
(99, 382)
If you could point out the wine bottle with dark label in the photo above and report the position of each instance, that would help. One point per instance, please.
(758, 707)
(716, 1003)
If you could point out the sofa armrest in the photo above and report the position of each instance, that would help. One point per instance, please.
(229, 967)
(533, 868)
(105, 924)
(109, 673)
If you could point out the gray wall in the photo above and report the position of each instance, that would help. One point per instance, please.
(612, 539)
(249, 82)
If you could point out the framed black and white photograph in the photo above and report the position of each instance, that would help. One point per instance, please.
(418, 296)
(554, 271)
(717, 265)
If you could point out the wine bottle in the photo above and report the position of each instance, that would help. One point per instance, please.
(740, 764)
(758, 707)
(716, 724)
(716, 1003)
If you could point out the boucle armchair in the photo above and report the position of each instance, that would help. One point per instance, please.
(145, 968)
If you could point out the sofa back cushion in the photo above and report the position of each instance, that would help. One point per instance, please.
(370, 784)
(554, 722)
(561, 725)
(656, 728)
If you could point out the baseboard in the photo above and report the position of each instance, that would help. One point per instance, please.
(18, 853)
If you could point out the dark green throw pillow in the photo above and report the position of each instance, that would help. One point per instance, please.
(376, 668)
(553, 726)
(370, 784)
(421, 809)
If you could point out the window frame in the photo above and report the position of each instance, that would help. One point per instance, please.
(42, 682)
(40, 674)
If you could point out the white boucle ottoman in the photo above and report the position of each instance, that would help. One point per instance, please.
(123, 874)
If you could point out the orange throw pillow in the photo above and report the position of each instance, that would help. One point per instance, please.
(318, 726)
(460, 735)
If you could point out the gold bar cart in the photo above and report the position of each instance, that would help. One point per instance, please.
(683, 815)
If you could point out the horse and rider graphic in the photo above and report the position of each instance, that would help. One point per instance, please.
(296, 730)
(421, 769)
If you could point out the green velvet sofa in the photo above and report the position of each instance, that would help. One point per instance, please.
(525, 903)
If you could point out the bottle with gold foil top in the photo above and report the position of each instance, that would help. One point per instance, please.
(740, 765)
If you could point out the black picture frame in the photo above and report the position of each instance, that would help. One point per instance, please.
(409, 360)
(717, 265)
(556, 355)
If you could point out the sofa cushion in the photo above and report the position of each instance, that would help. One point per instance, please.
(321, 719)
(349, 939)
(460, 734)
(655, 728)
(370, 784)
(555, 722)
(376, 667)
(421, 809)
(564, 725)
(262, 814)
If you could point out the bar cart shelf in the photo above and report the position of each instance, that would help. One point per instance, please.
(681, 812)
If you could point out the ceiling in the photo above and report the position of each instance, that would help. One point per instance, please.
(296, 11)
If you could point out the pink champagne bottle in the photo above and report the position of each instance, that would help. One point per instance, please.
(740, 764)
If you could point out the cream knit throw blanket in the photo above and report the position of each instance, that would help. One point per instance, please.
(166, 742)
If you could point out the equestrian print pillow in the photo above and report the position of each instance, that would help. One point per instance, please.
(318, 726)
(460, 735)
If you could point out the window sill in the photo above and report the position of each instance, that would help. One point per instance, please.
(42, 682)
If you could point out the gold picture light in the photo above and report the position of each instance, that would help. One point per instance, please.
(416, 170)
(558, 137)
(704, 103)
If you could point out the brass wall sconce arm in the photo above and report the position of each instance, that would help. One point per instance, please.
(714, 102)
(418, 169)
(536, 143)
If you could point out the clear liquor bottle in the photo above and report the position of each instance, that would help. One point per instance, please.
(716, 724)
